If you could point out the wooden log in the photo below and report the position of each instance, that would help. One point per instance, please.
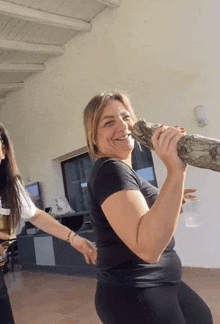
(196, 150)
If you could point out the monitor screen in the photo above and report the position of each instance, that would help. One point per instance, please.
(34, 192)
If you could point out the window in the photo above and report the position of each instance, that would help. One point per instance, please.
(76, 172)
(143, 163)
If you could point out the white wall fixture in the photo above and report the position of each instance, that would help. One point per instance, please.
(200, 116)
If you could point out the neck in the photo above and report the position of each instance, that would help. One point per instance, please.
(127, 159)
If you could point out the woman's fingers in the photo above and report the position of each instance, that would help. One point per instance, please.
(187, 191)
(87, 258)
(188, 194)
(168, 137)
(163, 135)
(4, 245)
(4, 236)
(91, 253)
(157, 133)
(165, 142)
(86, 248)
(2, 251)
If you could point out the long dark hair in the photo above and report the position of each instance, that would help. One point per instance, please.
(9, 177)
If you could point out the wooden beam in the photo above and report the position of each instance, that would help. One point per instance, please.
(42, 17)
(31, 48)
(21, 67)
(2, 101)
(111, 3)
(11, 86)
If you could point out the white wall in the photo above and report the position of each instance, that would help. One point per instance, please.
(165, 55)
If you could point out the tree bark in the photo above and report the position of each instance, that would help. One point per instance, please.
(196, 150)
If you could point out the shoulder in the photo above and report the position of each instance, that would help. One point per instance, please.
(110, 176)
(110, 169)
(109, 163)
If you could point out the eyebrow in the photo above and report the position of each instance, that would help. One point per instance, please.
(112, 116)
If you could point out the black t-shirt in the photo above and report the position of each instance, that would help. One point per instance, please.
(116, 263)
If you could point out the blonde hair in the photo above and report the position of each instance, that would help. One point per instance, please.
(93, 112)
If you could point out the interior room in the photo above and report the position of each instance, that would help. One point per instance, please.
(54, 57)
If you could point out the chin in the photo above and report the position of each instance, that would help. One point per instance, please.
(128, 149)
(131, 145)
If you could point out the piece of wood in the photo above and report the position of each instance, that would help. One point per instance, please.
(196, 150)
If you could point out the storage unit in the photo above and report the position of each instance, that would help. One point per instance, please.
(42, 252)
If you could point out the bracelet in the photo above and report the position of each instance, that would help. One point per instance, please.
(68, 237)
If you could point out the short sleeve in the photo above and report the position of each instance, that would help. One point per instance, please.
(111, 177)
(28, 209)
(149, 192)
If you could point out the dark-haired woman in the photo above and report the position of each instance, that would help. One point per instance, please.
(15, 204)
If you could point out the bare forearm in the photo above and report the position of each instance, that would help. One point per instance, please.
(50, 225)
(158, 225)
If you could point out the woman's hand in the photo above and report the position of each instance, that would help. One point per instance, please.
(165, 142)
(85, 247)
(3, 236)
(187, 195)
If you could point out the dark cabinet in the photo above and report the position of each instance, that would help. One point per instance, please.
(42, 252)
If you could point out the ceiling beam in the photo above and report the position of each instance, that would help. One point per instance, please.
(2, 101)
(31, 48)
(111, 3)
(11, 86)
(42, 17)
(21, 67)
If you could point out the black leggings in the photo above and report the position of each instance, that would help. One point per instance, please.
(6, 316)
(170, 304)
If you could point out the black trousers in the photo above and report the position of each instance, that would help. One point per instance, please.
(6, 316)
(170, 304)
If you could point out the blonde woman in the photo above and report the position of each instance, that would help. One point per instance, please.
(138, 270)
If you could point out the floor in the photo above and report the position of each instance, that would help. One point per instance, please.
(42, 298)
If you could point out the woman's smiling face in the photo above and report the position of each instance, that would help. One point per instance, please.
(114, 131)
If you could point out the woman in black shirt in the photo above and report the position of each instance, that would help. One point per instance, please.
(138, 271)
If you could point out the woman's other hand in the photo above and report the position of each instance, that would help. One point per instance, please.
(165, 140)
(188, 195)
(85, 247)
(3, 236)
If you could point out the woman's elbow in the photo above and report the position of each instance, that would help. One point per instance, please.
(151, 260)
(150, 257)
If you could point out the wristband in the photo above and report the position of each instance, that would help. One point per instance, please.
(68, 237)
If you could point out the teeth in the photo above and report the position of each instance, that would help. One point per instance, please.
(123, 137)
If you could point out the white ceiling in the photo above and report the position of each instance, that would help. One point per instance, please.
(33, 31)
